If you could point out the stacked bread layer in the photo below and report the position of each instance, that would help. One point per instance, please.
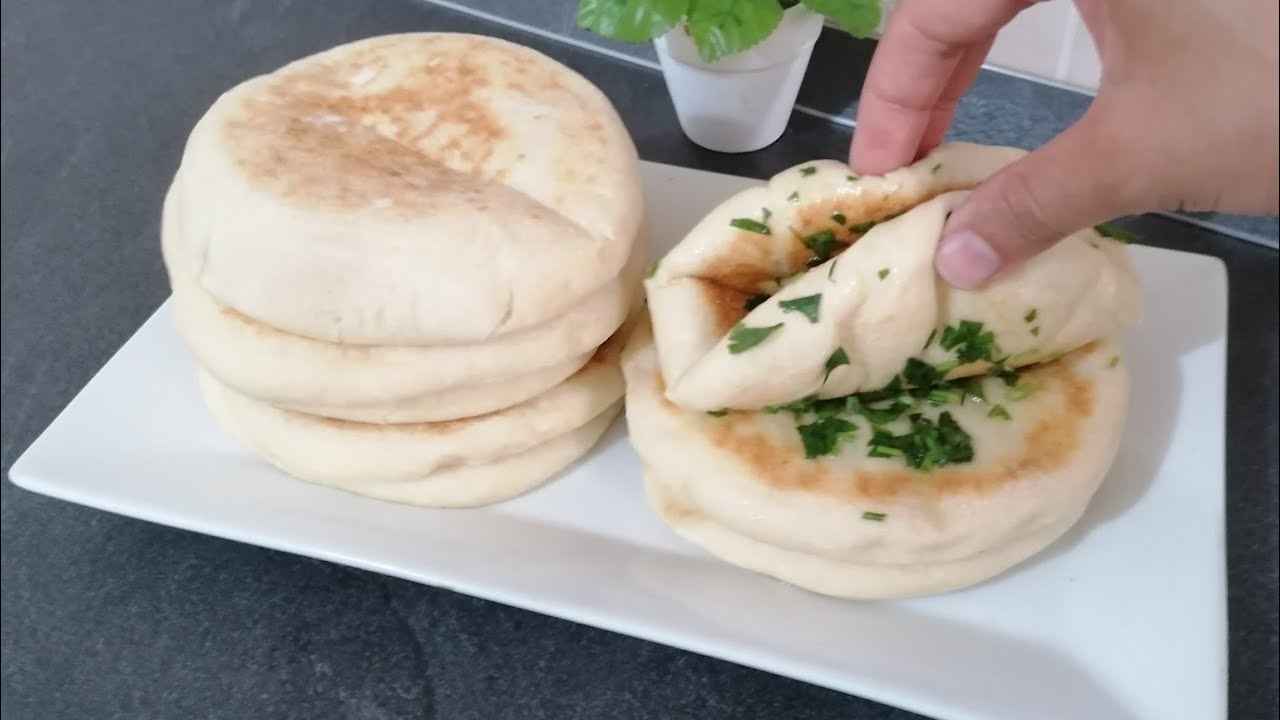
(399, 264)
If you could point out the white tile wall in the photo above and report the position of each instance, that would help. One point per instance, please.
(1047, 41)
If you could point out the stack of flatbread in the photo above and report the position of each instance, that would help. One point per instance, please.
(399, 264)
(812, 402)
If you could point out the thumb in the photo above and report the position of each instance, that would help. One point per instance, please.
(1078, 179)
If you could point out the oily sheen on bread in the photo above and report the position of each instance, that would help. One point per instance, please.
(856, 523)
(769, 270)
(389, 383)
(409, 189)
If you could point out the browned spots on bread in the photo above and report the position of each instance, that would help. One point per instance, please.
(392, 120)
(753, 263)
(1050, 443)
(727, 305)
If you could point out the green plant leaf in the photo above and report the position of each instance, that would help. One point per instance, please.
(632, 21)
(725, 27)
(859, 18)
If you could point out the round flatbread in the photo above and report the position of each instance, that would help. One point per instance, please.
(761, 304)
(472, 485)
(831, 576)
(453, 403)
(409, 189)
(845, 499)
(332, 451)
(396, 383)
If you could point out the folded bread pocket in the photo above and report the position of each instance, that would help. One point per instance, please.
(822, 283)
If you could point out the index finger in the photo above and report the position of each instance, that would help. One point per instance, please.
(923, 46)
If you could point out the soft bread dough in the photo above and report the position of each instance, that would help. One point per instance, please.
(469, 485)
(362, 195)
(337, 451)
(881, 300)
(453, 403)
(740, 485)
(840, 578)
(390, 383)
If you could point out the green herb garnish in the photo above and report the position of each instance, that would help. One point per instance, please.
(944, 395)
(1115, 360)
(765, 214)
(888, 392)
(750, 225)
(920, 373)
(998, 412)
(795, 407)
(1005, 373)
(947, 366)
(969, 341)
(807, 306)
(653, 268)
(824, 436)
(743, 338)
(807, 171)
(838, 218)
(932, 334)
(717, 413)
(1118, 234)
(1021, 391)
(1030, 317)
(838, 358)
(862, 227)
(884, 273)
(851, 178)
(1035, 331)
(794, 196)
(973, 390)
(755, 301)
(927, 445)
(873, 516)
(875, 415)
(934, 170)
(823, 244)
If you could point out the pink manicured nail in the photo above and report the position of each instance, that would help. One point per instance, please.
(966, 261)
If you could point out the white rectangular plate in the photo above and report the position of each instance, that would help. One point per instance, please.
(1125, 617)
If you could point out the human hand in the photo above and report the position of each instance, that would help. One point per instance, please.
(1186, 117)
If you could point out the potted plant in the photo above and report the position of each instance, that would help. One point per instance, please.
(733, 67)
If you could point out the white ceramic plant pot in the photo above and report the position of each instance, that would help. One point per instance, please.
(742, 102)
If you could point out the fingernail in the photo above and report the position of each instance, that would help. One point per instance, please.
(966, 261)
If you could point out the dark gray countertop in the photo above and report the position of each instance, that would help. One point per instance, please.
(107, 617)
